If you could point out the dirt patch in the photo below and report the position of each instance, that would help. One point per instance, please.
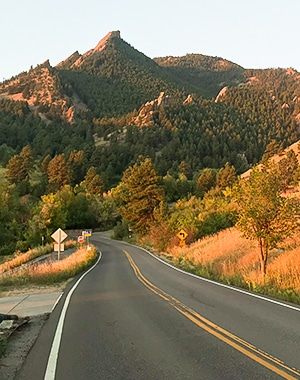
(33, 289)
(19, 344)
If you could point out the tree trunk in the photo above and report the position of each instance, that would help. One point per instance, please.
(263, 259)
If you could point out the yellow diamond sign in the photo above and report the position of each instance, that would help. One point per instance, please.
(182, 235)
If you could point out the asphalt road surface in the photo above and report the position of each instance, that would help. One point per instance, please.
(133, 317)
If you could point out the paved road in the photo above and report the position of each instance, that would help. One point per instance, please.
(132, 317)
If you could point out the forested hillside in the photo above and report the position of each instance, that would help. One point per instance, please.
(111, 139)
(98, 102)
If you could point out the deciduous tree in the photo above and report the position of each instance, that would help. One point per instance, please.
(264, 214)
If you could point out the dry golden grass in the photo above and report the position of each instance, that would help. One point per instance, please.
(20, 258)
(284, 271)
(53, 271)
(69, 263)
(230, 255)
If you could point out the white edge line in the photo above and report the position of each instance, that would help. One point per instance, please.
(52, 360)
(226, 286)
(214, 282)
(58, 299)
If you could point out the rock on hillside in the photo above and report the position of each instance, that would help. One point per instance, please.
(277, 157)
(42, 90)
(148, 113)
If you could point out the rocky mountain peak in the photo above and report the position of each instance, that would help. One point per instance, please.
(70, 60)
(103, 42)
(97, 49)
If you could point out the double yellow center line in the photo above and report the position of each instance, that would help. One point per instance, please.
(273, 364)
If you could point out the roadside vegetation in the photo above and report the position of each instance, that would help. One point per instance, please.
(230, 258)
(8, 263)
(18, 272)
(46, 273)
(151, 209)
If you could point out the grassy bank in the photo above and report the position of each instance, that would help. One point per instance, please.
(229, 258)
(48, 273)
(45, 274)
(19, 258)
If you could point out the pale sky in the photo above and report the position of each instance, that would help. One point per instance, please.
(251, 33)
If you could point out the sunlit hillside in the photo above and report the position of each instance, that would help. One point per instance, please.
(277, 157)
(229, 256)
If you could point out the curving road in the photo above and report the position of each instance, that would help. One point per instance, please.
(133, 317)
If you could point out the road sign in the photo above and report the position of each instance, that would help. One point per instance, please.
(59, 235)
(182, 235)
(59, 247)
(80, 239)
(87, 233)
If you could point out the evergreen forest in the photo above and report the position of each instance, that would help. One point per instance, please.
(101, 134)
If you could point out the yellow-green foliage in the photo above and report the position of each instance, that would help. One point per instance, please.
(2, 173)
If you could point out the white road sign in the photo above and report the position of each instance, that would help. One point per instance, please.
(59, 235)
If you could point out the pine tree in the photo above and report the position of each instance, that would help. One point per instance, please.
(93, 183)
(58, 172)
(205, 182)
(19, 166)
(138, 195)
(226, 176)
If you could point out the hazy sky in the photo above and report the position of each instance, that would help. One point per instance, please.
(252, 33)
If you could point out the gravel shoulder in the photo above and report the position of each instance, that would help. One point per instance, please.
(19, 345)
(23, 333)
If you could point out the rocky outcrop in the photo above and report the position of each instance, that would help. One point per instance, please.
(148, 113)
(69, 61)
(189, 100)
(99, 47)
(221, 94)
(42, 90)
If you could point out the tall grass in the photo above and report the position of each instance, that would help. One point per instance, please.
(20, 258)
(230, 258)
(53, 271)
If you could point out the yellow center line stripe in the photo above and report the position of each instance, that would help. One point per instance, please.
(257, 355)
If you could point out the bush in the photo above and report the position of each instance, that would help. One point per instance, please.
(214, 223)
(121, 231)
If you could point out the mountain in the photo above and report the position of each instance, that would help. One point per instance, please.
(115, 103)
(113, 79)
(203, 74)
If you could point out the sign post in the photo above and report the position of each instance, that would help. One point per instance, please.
(58, 236)
(86, 235)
